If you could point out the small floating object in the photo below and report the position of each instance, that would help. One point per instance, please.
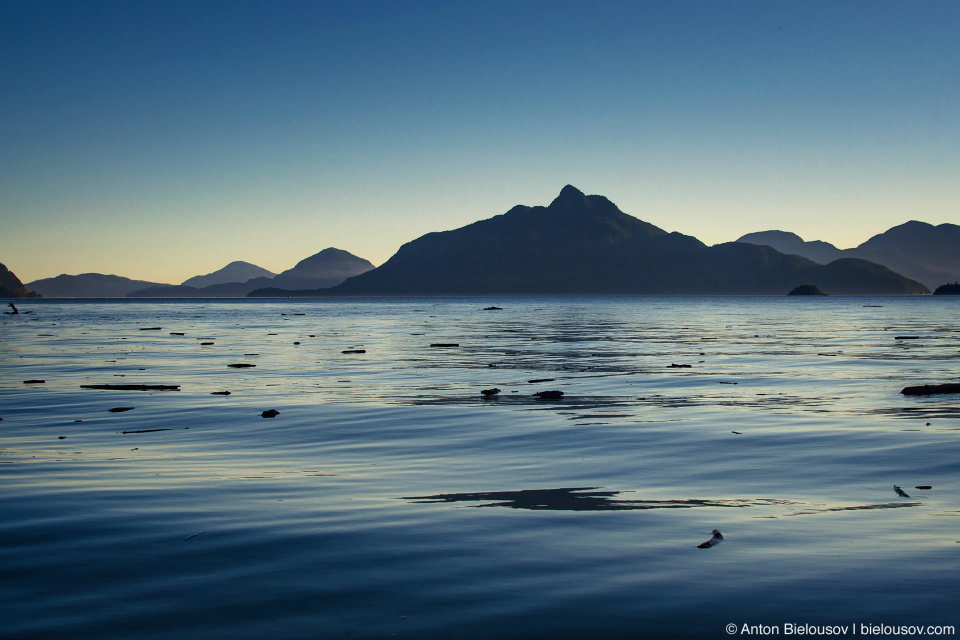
(541, 380)
(205, 344)
(251, 354)
(900, 492)
(241, 365)
(120, 409)
(354, 351)
(490, 392)
(177, 333)
(270, 413)
(729, 382)
(61, 437)
(445, 344)
(931, 389)
(296, 343)
(34, 382)
(737, 432)
(493, 308)
(549, 395)
(923, 486)
(193, 535)
(147, 430)
(219, 393)
(673, 365)
(712, 542)
(150, 328)
(906, 337)
(132, 387)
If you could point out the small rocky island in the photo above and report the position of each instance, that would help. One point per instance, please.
(807, 290)
(952, 289)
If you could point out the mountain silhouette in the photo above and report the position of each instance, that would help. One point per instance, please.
(11, 287)
(237, 271)
(324, 269)
(89, 285)
(790, 243)
(918, 250)
(582, 244)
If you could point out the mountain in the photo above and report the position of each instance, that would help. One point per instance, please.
(238, 271)
(324, 269)
(11, 287)
(583, 244)
(790, 243)
(930, 254)
(89, 285)
(918, 250)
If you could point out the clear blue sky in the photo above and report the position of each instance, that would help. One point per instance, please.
(160, 140)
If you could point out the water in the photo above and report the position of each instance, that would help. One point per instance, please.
(389, 498)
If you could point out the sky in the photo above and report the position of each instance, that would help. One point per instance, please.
(161, 140)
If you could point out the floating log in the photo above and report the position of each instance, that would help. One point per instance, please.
(534, 381)
(490, 392)
(219, 393)
(241, 365)
(679, 366)
(270, 413)
(549, 395)
(120, 409)
(354, 351)
(931, 389)
(150, 328)
(445, 344)
(145, 431)
(34, 382)
(132, 387)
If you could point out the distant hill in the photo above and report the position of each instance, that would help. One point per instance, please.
(918, 250)
(11, 287)
(89, 285)
(583, 244)
(237, 271)
(791, 243)
(324, 269)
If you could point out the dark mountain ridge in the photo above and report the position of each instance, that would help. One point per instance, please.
(11, 287)
(918, 250)
(583, 244)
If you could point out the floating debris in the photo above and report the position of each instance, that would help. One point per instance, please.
(34, 382)
(737, 432)
(923, 486)
(906, 337)
(679, 366)
(61, 437)
(241, 365)
(931, 389)
(270, 413)
(900, 492)
(712, 542)
(541, 380)
(493, 308)
(354, 351)
(205, 344)
(150, 328)
(219, 393)
(445, 344)
(132, 387)
(177, 333)
(120, 409)
(490, 392)
(146, 430)
(193, 535)
(549, 395)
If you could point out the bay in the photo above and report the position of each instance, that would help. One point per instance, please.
(390, 498)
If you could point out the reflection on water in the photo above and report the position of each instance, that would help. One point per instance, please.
(578, 499)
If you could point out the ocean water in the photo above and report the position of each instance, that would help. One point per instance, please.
(390, 498)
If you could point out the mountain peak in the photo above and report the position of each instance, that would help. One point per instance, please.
(570, 197)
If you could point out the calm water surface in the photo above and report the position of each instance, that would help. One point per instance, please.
(389, 498)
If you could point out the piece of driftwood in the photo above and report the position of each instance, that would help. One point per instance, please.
(132, 387)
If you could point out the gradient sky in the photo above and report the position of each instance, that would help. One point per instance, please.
(161, 140)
